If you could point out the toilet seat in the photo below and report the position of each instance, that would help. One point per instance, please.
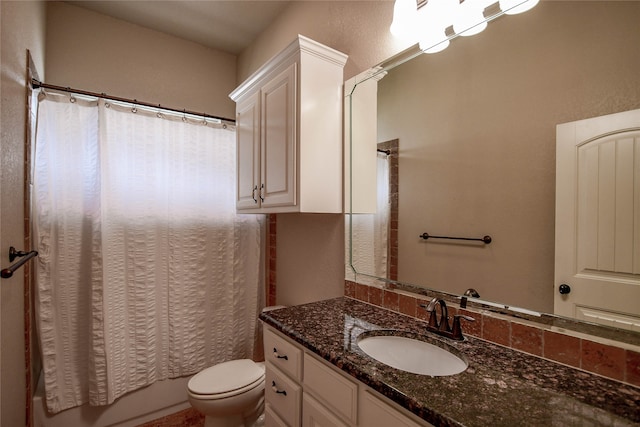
(226, 380)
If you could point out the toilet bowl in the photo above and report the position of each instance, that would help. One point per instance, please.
(229, 394)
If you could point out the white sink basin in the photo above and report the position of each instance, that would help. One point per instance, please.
(412, 355)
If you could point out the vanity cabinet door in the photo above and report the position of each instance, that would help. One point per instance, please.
(374, 412)
(271, 419)
(331, 387)
(316, 415)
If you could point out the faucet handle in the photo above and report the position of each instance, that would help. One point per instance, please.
(456, 329)
(433, 317)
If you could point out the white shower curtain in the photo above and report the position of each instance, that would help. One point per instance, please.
(145, 272)
(370, 232)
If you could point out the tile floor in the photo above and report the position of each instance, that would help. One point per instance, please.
(185, 418)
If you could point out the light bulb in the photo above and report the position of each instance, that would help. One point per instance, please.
(433, 41)
(513, 7)
(442, 11)
(469, 19)
(404, 17)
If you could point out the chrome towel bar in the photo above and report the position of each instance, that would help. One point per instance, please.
(13, 254)
(485, 239)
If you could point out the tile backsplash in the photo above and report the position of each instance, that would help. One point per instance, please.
(620, 362)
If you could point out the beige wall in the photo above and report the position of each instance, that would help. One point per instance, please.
(477, 125)
(310, 248)
(90, 51)
(22, 27)
(358, 28)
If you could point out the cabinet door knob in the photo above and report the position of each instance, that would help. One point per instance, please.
(564, 289)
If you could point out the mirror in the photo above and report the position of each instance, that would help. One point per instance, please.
(476, 131)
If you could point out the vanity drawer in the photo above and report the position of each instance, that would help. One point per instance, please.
(282, 354)
(283, 396)
(331, 387)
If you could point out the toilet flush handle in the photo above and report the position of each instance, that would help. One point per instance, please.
(275, 351)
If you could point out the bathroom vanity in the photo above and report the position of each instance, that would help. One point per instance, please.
(302, 389)
(316, 374)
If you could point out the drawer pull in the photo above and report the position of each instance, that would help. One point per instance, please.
(275, 351)
(273, 386)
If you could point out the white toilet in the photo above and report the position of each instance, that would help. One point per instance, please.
(229, 394)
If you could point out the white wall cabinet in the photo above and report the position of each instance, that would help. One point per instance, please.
(289, 132)
(304, 390)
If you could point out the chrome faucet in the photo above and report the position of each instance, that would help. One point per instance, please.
(441, 325)
(468, 293)
(471, 293)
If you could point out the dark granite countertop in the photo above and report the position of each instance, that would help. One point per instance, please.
(501, 387)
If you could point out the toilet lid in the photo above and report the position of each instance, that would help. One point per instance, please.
(225, 377)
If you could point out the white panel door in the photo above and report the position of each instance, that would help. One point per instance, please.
(597, 271)
(248, 153)
(278, 146)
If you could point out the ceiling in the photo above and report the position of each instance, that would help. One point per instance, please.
(229, 26)
(226, 25)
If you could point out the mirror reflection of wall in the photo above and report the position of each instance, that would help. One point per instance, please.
(477, 124)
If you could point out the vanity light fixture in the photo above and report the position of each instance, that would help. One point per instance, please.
(513, 7)
(433, 23)
(404, 17)
(470, 19)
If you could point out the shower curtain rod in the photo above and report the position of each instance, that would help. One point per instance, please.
(38, 84)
